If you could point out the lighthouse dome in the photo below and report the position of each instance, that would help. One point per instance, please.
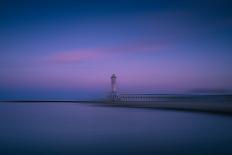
(113, 76)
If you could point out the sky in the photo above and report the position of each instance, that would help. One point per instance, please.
(69, 49)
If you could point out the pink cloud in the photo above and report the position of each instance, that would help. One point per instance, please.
(90, 54)
(139, 47)
(75, 56)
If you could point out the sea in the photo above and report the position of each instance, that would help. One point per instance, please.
(41, 128)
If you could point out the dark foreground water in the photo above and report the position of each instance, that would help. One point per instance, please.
(68, 128)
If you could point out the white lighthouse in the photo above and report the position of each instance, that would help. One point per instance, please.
(113, 83)
(113, 88)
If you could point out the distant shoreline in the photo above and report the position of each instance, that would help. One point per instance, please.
(224, 108)
(164, 96)
(180, 105)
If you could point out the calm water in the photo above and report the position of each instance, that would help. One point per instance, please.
(68, 128)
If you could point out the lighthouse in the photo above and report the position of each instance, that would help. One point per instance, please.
(113, 83)
(113, 88)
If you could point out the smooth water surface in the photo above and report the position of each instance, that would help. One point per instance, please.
(80, 128)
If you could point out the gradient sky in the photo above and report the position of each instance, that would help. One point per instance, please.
(69, 49)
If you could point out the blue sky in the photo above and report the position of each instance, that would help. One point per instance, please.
(69, 49)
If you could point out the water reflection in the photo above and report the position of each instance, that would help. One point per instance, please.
(68, 128)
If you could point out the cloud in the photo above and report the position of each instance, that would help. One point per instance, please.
(74, 56)
(138, 47)
(100, 53)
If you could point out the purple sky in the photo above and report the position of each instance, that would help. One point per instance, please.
(68, 50)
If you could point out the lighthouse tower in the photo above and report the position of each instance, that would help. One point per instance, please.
(113, 83)
(113, 88)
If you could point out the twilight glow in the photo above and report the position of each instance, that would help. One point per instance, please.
(68, 50)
